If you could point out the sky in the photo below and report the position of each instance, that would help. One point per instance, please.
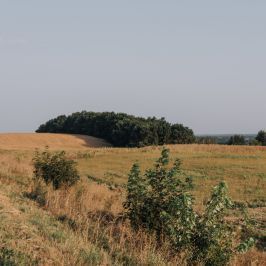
(199, 63)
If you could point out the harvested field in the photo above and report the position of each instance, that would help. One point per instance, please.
(29, 141)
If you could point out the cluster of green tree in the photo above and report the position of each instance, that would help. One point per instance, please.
(261, 138)
(240, 139)
(122, 130)
(237, 140)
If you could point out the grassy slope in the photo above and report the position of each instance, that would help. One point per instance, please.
(34, 233)
(36, 237)
(30, 141)
(243, 168)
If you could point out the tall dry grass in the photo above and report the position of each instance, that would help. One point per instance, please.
(91, 214)
(31, 141)
(95, 212)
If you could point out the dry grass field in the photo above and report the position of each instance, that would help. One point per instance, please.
(81, 226)
(31, 141)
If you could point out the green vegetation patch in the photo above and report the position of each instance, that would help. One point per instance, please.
(48, 226)
(11, 257)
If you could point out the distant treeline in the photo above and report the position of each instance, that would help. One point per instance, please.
(121, 130)
(247, 139)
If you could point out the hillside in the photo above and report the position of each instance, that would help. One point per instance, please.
(30, 141)
(81, 227)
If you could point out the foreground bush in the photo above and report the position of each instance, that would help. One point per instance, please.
(55, 169)
(159, 201)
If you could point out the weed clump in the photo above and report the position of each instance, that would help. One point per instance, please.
(38, 193)
(11, 257)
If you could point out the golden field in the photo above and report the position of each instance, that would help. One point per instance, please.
(30, 141)
(81, 226)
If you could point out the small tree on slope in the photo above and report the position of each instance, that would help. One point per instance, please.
(55, 168)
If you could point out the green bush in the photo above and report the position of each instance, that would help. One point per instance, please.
(151, 198)
(55, 168)
(159, 201)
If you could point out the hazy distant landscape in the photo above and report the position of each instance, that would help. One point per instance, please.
(224, 138)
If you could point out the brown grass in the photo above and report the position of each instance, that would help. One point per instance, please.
(99, 236)
(243, 168)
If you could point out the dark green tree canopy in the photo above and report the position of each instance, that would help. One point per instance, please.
(261, 137)
(120, 129)
(237, 140)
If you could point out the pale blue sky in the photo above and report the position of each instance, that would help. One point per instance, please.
(200, 63)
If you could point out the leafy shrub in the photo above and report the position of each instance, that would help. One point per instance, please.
(246, 245)
(159, 201)
(55, 168)
(151, 198)
(212, 241)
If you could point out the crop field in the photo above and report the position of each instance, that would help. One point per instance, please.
(69, 229)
